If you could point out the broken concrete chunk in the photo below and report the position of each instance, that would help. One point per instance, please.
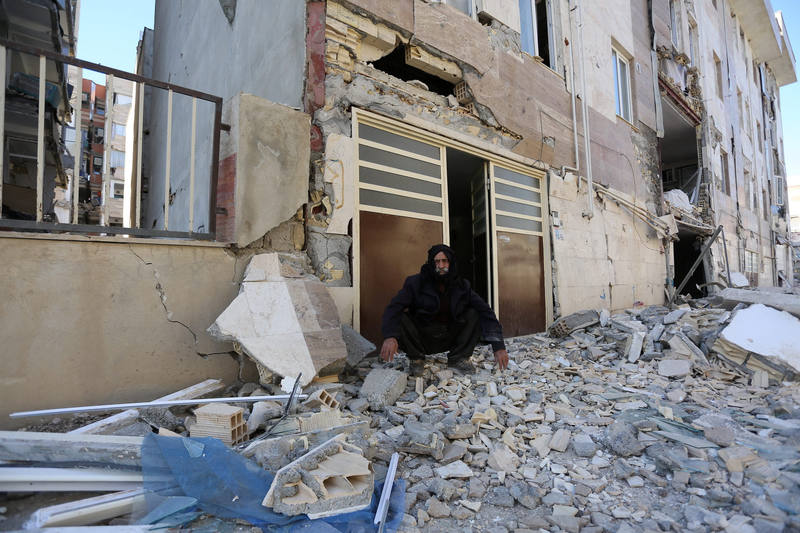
(260, 413)
(287, 325)
(503, 460)
(221, 421)
(634, 349)
(383, 386)
(622, 439)
(673, 316)
(583, 445)
(457, 469)
(566, 325)
(333, 478)
(674, 368)
(460, 431)
(357, 346)
(321, 398)
(560, 440)
(421, 439)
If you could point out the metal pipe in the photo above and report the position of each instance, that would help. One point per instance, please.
(725, 251)
(2, 118)
(386, 492)
(169, 158)
(574, 113)
(107, 70)
(697, 261)
(212, 192)
(77, 150)
(586, 135)
(169, 403)
(191, 165)
(40, 139)
(139, 141)
(107, 148)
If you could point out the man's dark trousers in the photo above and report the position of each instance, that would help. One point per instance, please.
(458, 338)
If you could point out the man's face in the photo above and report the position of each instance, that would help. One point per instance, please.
(442, 263)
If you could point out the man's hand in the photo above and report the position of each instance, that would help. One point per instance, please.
(501, 356)
(389, 349)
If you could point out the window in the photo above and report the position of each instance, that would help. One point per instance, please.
(97, 164)
(100, 108)
(765, 204)
(117, 130)
(778, 193)
(726, 185)
(117, 159)
(119, 190)
(741, 111)
(537, 35)
(760, 138)
(99, 135)
(69, 137)
(693, 44)
(718, 70)
(714, 3)
(84, 97)
(622, 85)
(122, 99)
(673, 20)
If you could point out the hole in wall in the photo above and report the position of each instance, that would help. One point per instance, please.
(395, 65)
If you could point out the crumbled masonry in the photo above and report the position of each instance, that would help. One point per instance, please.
(572, 437)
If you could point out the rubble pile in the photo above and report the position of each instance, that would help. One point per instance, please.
(628, 422)
(646, 420)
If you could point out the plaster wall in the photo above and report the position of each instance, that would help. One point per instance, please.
(596, 262)
(268, 45)
(86, 322)
(525, 106)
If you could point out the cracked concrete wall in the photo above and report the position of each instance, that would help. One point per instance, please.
(521, 105)
(87, 322)
(625, 256)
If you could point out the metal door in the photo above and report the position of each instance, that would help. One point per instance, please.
(402, 212)
(519, 290)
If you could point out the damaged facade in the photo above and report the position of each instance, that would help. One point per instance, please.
(465, 124)
(572, 164)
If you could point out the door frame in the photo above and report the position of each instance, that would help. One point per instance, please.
(493, 155)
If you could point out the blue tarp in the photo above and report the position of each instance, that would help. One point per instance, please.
(228, 485)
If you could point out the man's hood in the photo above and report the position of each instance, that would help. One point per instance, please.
(429, 268)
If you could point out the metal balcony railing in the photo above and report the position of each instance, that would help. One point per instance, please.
(50, 147)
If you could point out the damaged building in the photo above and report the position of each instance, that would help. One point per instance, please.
(466, 123)
(570, 162)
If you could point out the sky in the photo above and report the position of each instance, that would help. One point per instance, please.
(109, 31)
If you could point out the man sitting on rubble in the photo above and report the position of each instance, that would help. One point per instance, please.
(437, 311)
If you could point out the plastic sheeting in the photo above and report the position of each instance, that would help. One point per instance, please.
(227, 485)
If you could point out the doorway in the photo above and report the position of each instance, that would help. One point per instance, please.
(467, 207)
(686, 249)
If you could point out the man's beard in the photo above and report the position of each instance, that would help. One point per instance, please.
(442, 272)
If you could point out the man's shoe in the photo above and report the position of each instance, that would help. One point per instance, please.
(464, 366)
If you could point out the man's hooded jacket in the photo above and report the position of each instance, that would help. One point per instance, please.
(421, 297)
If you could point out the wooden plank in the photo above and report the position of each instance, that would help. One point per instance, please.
(63, 447)
(36, 479)
(87, 511)
(119, 420)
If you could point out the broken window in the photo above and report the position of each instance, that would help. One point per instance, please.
(622, 85)
(395, 65)
(693, 59)
(537, 35)
(726, 185)
(673, 20)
